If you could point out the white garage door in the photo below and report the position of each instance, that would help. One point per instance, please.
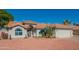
(63, 33)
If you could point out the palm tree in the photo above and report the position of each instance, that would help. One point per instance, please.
(67, 22)
(5, 17)
(48, 32)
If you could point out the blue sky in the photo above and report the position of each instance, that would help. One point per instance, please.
(45, 15)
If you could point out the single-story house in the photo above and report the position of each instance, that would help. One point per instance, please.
(22, 29)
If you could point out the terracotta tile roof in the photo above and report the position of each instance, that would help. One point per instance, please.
(13, 24)
(63, 26)
(40, 26)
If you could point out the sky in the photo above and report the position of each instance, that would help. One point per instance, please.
(45, 15)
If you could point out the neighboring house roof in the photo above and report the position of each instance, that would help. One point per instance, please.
(76, 28)
(30, 22)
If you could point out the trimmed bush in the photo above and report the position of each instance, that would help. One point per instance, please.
(4, 35)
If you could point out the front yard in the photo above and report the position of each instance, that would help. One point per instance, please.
(39, 44)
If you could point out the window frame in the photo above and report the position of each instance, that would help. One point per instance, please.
(18, 32)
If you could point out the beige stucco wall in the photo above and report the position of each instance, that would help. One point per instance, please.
(12, 32)
(59, 33)
(37, 33)
(63, 33)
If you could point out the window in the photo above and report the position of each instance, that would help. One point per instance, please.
(18, 31)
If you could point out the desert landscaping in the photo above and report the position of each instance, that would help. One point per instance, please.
(39, 44)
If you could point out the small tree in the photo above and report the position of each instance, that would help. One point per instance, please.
(47, 32)
(5, 17)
